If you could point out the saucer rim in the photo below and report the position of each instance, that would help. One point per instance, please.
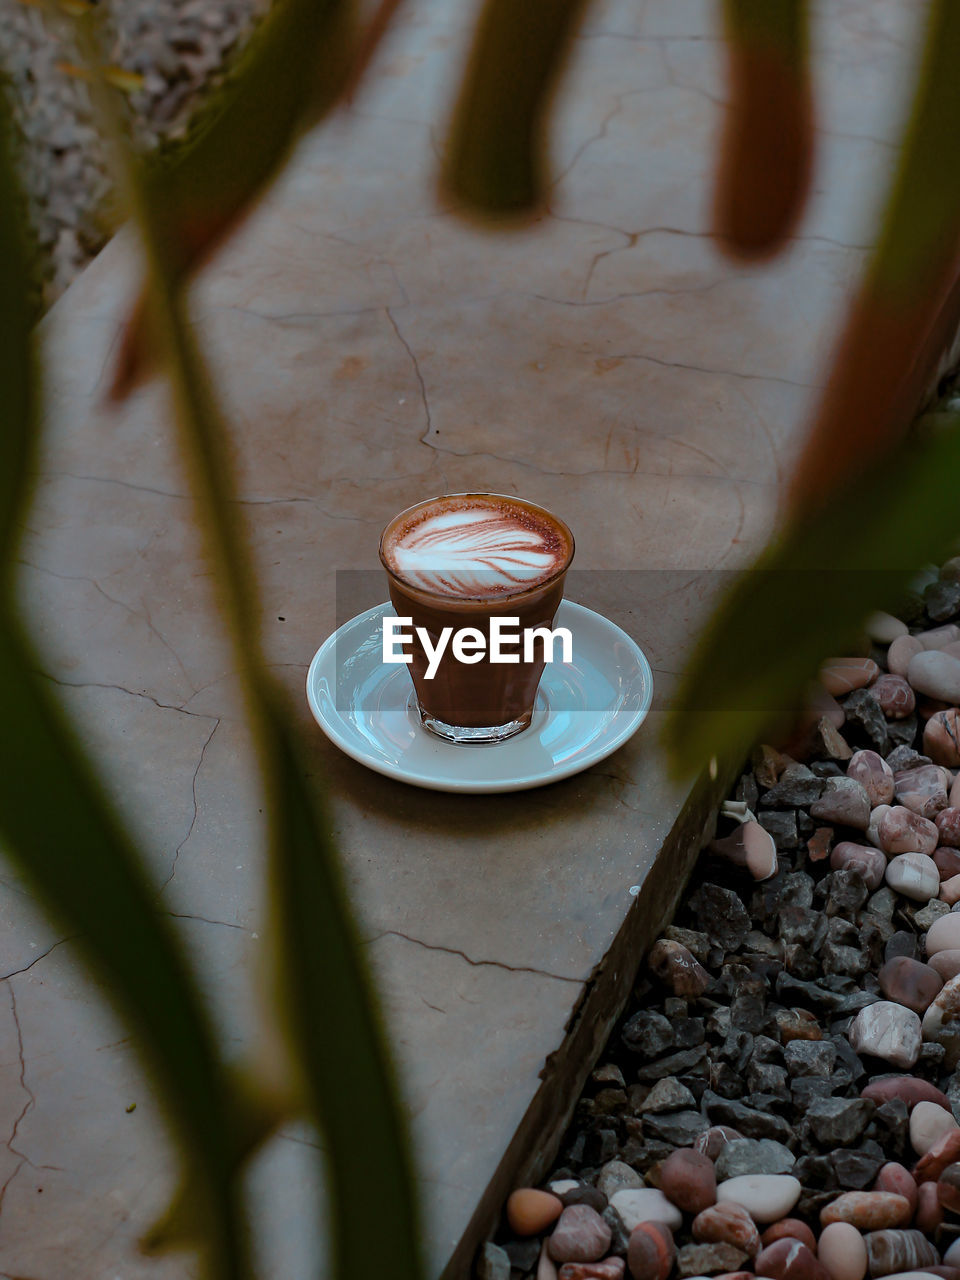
(484, 786)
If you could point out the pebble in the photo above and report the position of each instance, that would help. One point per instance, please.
(884, 628)
(910, 1089)
(712, 1141)
(580, 1235)
(578, 1192)
(928, 1123)
(788, 1260)
(923, 790)
(954, 796)
(793, 1229)
(944, 935)
(909, 982)
(730, 1224)
(939, 637)
(941, 737)
(844, 801)
(870, 863)
(877, 815)
(530, 1211)
(952, 1255)
(944, 1152)
(545, 1268)
(765, 1196)
(842, 675)
(947, 858)
(688, 1180)
(608, 1269)
(900, 830)
(615, 1176)
(894, 695)
(901, 652)
(843, 1251)
(950, 890)
(839, 1121)
(892, 1251)
(894, 1177)
(647, 1204)
(492, 1263)
(929, 1211)
(947, 823)
(651, 1251)
(667, 1094)
(941, 1022)
(868, 1210)
(935, 674)
(760, 850)
(874, 775)
(708, 1259)
(948, 1188)
(915, 875)
(797, 1024)
(934, 909)
(754, 1155)
(946, 963)
(677, 969)
(889, 1031)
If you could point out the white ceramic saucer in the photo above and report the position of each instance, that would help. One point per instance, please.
(585, 709)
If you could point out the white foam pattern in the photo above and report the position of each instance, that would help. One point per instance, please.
(476, 551)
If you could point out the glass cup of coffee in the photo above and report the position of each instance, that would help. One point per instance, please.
(471, 571)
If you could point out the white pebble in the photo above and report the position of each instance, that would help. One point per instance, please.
(935, 674)
(944, 934)
(884, 628)
(767, 1197)
(929, 1122)
(914, 875)
(889, 1031)
(645, 1204)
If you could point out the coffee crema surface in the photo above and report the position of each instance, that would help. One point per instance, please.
(476, 546)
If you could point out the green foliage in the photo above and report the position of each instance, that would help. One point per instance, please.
(808, 596)
(854, 538)
(496, 153)
(81, 862)
(75, 852)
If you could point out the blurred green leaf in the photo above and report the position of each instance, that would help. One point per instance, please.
(63, 834)
(337, 1027)
(325, 989)
(766, 153)
(18, 374)
(904, 313)
(496, 161)
(808, 595)
(867, 505)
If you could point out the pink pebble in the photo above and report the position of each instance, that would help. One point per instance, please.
(899, 1180)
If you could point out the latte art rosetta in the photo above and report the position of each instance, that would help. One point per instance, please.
(478, 550)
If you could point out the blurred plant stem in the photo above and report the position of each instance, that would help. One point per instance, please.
(496, 153)
(766, 152)
(75, 852)
(322, 985)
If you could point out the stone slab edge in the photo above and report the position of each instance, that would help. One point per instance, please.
(536, 1141)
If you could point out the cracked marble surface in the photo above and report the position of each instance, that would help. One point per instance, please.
(372, 351)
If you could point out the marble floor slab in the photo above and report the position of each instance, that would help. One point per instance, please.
(372, 350)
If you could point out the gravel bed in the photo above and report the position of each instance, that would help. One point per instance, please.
(181, 49)
(781, 1095)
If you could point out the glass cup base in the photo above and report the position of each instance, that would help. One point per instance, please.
(472, 735)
